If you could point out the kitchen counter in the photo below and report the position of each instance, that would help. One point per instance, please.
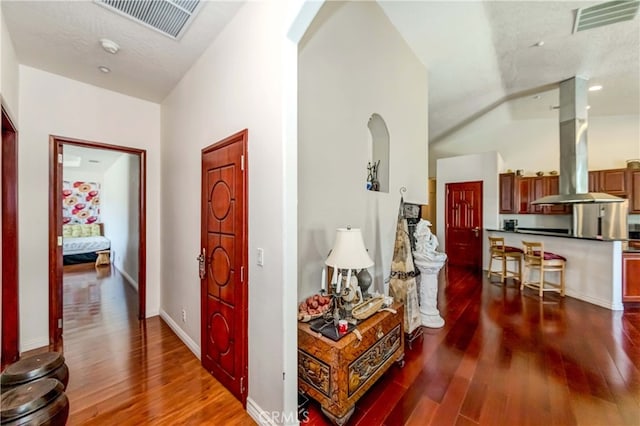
(540, 231)
(594, 266)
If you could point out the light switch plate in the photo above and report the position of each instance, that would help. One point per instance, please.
(260, 257)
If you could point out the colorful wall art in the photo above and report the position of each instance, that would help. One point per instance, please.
(80, 202)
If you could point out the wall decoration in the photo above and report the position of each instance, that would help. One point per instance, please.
(80, 202)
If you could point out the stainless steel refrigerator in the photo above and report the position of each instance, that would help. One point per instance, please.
(601, 220)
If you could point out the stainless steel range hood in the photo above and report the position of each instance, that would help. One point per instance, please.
(574, 172)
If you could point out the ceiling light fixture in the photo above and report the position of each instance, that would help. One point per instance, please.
(595, 88)
(104, 69)
(539, 44)
(537, 97)
(109, 46)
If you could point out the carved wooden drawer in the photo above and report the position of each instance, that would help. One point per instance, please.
(337, 374)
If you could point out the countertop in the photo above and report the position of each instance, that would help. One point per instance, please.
(552, 234)
(633, 247)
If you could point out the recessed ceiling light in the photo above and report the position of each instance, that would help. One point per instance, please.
(104, 69)
(539, 44)
(595, 88)
(109, 46)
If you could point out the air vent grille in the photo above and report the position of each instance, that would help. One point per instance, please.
(169, 17)
(605, 14)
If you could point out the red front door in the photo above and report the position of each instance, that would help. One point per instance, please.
(463, 236)
(224, 276)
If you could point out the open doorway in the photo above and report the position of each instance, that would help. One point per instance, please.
(96, 233)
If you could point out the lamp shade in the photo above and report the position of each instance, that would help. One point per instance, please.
(348, 250)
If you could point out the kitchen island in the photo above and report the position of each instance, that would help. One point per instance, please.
(594, 266)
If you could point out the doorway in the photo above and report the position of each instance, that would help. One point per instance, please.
(9, 231)
(463, 224)
(224, 263)
(56, 197)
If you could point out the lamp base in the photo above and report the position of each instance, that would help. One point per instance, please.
(364, 282)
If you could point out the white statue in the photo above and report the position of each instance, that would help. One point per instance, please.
(429, 262)
(426, 243)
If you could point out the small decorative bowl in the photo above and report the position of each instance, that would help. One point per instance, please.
(539, 173)
(553, 172)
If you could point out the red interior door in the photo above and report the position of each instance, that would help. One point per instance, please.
(224, 278)
(463, 224)
(9, 231)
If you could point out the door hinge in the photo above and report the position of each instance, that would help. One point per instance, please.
(59, 322)
(242, 162)
(242, 274)
(59, 240)
(60, 161)
(242, 389)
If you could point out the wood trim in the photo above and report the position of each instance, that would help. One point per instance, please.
(55, 228)
(10, 242)
(55, 252)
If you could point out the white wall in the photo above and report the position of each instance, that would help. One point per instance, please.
(9, 72)
(353, 63)
(50, 104)
(534, 145)
(467, 168)
(69, 174)
(119, 213)
(236, 84)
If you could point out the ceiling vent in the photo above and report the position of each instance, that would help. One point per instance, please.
(603, 14)
(170, 17)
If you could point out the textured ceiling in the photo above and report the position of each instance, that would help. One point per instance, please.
(478, 53)
(481, 53)
(62, 37)
(92, 160)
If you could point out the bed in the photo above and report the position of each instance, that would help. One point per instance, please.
(80, 242)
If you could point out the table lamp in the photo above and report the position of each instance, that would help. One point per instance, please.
(349, 254)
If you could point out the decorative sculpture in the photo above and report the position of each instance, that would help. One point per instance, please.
(429, 261)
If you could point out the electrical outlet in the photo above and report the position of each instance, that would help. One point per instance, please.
(184, 315)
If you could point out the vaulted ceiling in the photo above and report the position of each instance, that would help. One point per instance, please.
(478, 53)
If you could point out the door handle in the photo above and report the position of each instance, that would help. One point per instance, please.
(476, 231)
(202, 267)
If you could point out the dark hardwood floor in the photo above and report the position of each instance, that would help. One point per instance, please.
(126, 372)
(507, 358)
(503, 358)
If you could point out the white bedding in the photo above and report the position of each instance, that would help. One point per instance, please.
(79, 245)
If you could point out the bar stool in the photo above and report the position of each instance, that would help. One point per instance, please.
(536, 258)
(504, 254)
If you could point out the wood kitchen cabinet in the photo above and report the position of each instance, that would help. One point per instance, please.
(507, 182)
(529, 189)
(631, 277)
(613, 181)
(525, 195)
(634, 191)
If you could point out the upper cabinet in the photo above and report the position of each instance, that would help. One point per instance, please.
(517, 193)
(612, 182)
(507, 192)
(634, 191)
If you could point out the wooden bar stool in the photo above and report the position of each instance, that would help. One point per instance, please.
(504, 254)
(536, 258)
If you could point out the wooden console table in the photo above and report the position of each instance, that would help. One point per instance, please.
(337, 374)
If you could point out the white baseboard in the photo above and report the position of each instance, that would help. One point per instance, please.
(34, 344)
(188, 341)
(258, 414)
(133, 283)
(595, 301)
